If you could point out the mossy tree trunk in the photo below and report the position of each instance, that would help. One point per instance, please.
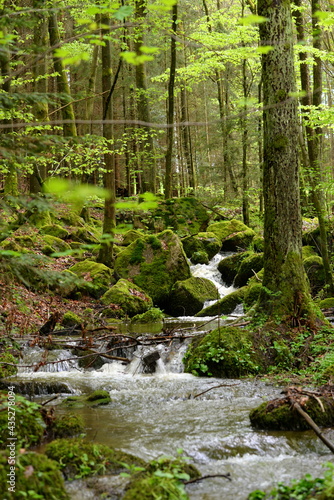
(109, 221)
(285, 292)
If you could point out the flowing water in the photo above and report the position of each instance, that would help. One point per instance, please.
(156, 414)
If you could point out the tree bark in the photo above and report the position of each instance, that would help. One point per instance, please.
(170, 108)
(285, 292)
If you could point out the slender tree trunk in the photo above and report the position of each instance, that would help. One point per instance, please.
(170, 108)
(69, 128)
(109, 221)
(313, 136)
(244, 131)
(285, 292)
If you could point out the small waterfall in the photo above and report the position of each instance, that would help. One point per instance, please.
(210, 272)
(37, 359)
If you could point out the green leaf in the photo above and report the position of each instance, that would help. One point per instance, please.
(264, 49)
(123, 12)
(252, 19)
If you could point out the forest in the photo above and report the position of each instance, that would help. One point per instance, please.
(166, 249)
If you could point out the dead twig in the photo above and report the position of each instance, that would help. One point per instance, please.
(215, 387)
(226, 476)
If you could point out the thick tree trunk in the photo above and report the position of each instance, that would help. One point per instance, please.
(285, 293)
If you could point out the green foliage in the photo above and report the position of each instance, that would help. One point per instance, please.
(7, 357)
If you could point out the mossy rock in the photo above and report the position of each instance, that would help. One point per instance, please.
(29, 424)
(278, 415)
(187, 297)
(154, 263)
(308, 251)
(85, 234)
(95, 398)
(71, 319)
(225, 352)
(312, 237)
(96, 277)
(7, 370)
(10, 244)
(224, 229)
(202, 242)
(55, 230)
(249, 265)
(237, 241)
(315, 272)
(25, 240)
(36, 476)
(131, 236)
(200, 258)
(258, 243)
(88, 359)
(79, 458)
(252, 292)
(67, 284)
(153, 315)
(129, 297)
(162, 479)
(327, 303)
(184, 215)
(68, 425)
(226, 305)
(228, 267)
(40, 219)
(52, 244)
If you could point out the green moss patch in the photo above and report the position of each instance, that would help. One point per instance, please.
(96, 277)
(225, 352)
(68, 425)
(55, 230)
(206, 242)
(226, 305)
(96, 398)
(229, 266)
(79, 458)
(36, 477)
(153, 315)
(248, 266)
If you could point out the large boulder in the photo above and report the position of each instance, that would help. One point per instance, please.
(154, 263)
(188, 297)
(129, 297)
(315, 272)
(226, 305)
(250, 265)
(185, 215)
(233, 234)
(229, 266)
(96, 277)
(201, 242)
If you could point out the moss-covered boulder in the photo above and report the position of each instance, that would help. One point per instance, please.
(327, 303)
(34, 476)
(225, 352)
(154, 263)
(129, 297)
(258, 243)
(249, 265)
(95, 398)
(226, 305)
(187, 297)
(71, 319)
(153, 315)
(7, 370)
(233, 234)
(202, 242)
(308, 251)
(55, 230)
(279, 415)
(79, 458)
(85, 234)
(131, 236)
(315, 272)
(200, 258)
(96, 277)
(68, 425)
(252, 292)
(184, 215)
(52, 244)
(29, 424)
(228, 267)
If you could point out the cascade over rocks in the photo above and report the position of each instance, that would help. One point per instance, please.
(201, 242)
(154, 263)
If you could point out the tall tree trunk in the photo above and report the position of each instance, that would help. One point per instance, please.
(109, 221)
(285, 292)
(244, 131)
(69, 128)
(313, 136)
(170, 108)
(143, 109)
(186, 141)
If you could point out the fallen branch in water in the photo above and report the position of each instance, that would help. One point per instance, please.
(226, 476)
(215, 387)
(51, 399)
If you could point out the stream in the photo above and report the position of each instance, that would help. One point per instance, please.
(156, 414)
